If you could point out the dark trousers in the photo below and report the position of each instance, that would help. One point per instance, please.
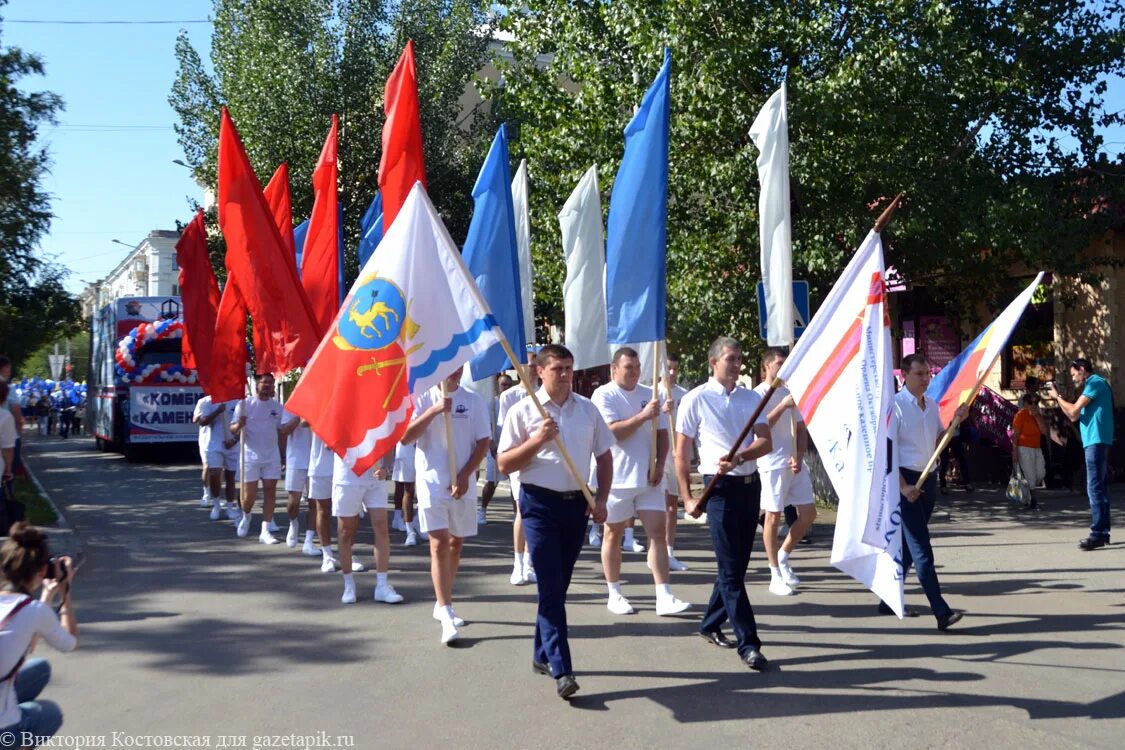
(916, 548)
(555, 526)
(732, 515)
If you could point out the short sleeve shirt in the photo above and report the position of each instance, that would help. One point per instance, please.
(320, 458)
(7, 434)
(508, 399)
(342, 474)
(714, 418)
(262, 420)
(581, 428)
(915, 429)
(632, 455)
(210, 435)
(471, 424)
(1095, 421)
(781, 433)
(1026, 429)
(298, 445)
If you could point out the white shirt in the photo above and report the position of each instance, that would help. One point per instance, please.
(262, 420)
(581, 428)
(781, 433)
(508, 399)
(8, 438)
(34, 619)
(631, 456)
(298, 445)
(342, 474)
(678, 393)
(917, 430)
(211, 436)
(714, 418)
(320, 458)
(470, 420)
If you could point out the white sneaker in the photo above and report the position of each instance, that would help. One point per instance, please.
(205, 500)
(216, 511)
(529, 575)
(386, 593)
(619, 605)
(595, 538)
(310, 549)
(482, 517)
(449, 632)
(456, 620)
(397, 524)
(411, 538)
(780, 587)
(234, 513)
(291, 536)
(267, 538)
(358, 567)
(243, 525)
(517, 578)
(273, 527)
(670, 605)
(637, 546)
(674, 564)
(423, 535)
(348, 597)
(789, 576)
(328, 565)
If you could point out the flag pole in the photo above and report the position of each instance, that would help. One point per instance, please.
(654, 466)
(885, 217)
(526, 382)
(449, 441)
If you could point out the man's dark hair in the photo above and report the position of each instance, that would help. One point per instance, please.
(774, 352)
(625, 351)
(909, 360)
(1081, 363)
(552, 351)
(672, 357)
(1029, 399)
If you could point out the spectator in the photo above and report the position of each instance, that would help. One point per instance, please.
(1028, 428)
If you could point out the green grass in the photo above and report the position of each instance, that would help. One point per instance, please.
(39, 511)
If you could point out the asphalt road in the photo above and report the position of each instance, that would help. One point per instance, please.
(190, 632)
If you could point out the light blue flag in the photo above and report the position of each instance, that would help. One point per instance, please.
(636, 234)
(370, 229)
(491, 255)
(299, 233)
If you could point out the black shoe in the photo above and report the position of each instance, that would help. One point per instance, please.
(566, 686)
(1092, 543)
(907, 612)
(754, 659)
(538, 667)
(945, 621)
(716, 638)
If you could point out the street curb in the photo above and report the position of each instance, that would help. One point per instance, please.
(61, 522)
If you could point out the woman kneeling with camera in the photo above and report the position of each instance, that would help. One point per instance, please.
(26, 564)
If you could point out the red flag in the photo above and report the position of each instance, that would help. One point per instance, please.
(256, 256)
(402, 163)
(277, 196)
(228, 354)
(321, 259)
(200, 294)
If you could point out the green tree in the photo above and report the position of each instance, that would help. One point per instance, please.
(283, 67)
(38, 365)
(985, 114)
(33, 302)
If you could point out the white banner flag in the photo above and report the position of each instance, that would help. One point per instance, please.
(770, 132)
(842, 378)
(584, 289)
(520, 191)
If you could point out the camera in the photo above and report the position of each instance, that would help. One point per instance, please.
(58, 569)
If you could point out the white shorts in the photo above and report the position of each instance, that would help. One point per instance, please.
(214, 459)
(403, 470)
(438, 510)
(295, 478)
(230, 459)
(264, 470)
(671, 484)
(781, 487)
(625, 502)
(491, 473)
(349, 500)
(320, 488)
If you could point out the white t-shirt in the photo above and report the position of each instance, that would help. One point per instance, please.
(678, 393)
(298, 444)
(715, 418)
(34, 619)
(342, 474)
(508, 399)
(470, 421)
(781, 434)
(262, 420)
(632, 455)
(211, 436)
(8, 438)
(321, 457)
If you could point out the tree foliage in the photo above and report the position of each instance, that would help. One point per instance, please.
(985, 114)
(283, 67)
(34, 305)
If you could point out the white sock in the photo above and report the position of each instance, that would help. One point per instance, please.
(217, 502)
(349, 581)
(519, 560)
(309, 537)
(326, 553)
(628, 537)
(671, 552)
(663, 591)
(775, 572)
(446, 612)
(265, 526)
(614, 587)
(527, 561)
(397, 516)
(380, 579)
(782, 558)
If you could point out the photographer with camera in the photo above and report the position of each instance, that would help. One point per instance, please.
(26, 564)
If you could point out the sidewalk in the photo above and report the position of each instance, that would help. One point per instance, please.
(187, 630)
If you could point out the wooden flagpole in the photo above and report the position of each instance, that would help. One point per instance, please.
(450, 448)
(653, 466)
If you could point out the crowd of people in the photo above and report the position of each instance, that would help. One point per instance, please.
(54, 407)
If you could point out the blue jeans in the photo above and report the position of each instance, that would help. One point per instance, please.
(732, 515)
(37, 718)
(916, 547)
(1097, 471)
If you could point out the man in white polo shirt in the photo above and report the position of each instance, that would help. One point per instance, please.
(638, 483)
(260, 417)
(715, 414)
(785, 480)
(522, 569)
(353, 495)
(211, 419)
(447, 505)
(916, 424)
(671, 395)
(297, 448)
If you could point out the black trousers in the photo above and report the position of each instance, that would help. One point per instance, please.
(732, 515)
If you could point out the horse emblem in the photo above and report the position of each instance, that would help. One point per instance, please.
(366, 320)
(375, 318)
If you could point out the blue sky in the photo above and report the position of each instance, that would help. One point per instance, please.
(112, 175)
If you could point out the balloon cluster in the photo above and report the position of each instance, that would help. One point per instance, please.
(127, 368)
(58, 393)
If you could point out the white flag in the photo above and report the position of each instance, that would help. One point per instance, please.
(842, 378)
(584, 289)
(770, 132)
(523, 248)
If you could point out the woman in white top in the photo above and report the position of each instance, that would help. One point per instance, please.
(26, 564)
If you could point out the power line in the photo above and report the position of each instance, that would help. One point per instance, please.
(97, 23)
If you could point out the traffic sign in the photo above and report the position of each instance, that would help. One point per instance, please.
(800, 311)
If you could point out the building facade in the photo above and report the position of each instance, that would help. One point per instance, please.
(149, 270)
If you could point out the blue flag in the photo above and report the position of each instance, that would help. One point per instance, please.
(299, 233)
(370, 229)
(637, 231)
(492, 258)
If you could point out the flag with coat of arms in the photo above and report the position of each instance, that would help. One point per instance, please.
(413, 316)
